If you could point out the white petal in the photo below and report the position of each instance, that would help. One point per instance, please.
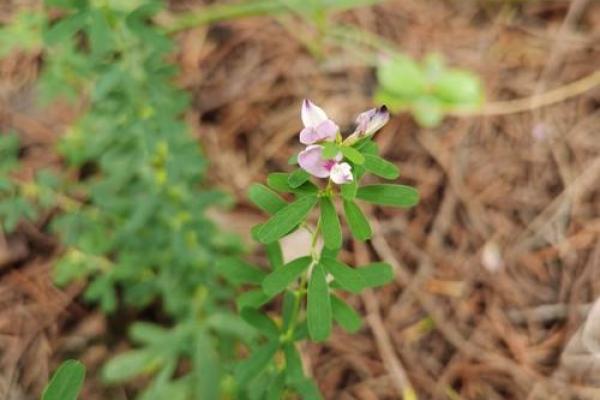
(341, 173)
(312, 115)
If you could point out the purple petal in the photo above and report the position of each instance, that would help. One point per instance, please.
(312, 115)
(326, 131)
(311, 160)
(371, 121)
(341, 173)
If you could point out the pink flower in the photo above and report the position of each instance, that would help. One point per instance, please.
(371, 121)
(317, 126)
(311, 160)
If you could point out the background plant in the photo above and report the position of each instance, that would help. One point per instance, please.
(428, 89)
(133, 225)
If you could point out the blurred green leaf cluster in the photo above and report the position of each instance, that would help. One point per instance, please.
(428, 89)
(133, 222)
(24, 33)
(21, 200)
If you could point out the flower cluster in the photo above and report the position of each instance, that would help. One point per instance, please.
(319, 129)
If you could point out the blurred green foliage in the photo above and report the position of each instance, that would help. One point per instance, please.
(133, 224)
(428, 89)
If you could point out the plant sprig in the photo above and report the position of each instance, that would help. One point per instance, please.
(311, 287)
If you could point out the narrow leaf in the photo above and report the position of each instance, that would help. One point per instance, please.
(239, 272)
(359, 226)
(265, 199)
(389, 195)
(66, 382)
(252, 298)
(258, 360)
(274, 254)
(276, 388)
(287, 309)
(332, 230)
(348, 278)
(345, 315)
(206, 366)
(279, 181)
(130, 364)
(282, 277)
(307, 389)
(380, 167)
(260, 321)
(286, 219)
(318, 305)
(297, 178)
(148, 333)
(349, 189)
(293, 363)
(352, 154)
(376, 274)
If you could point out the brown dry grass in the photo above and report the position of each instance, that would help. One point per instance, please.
(510, 215)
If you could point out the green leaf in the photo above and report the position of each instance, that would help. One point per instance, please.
(402, 77)
(287, 309)
(307, 389)
(318, 305)
(297, 178)
(389, 195)
(353, 155)
(345, 315)
(66, 382)
(274, 254)
(282, 277)
(293, 363)
(66, 28)
(206, 367)
(265, 199)
(279, 181)
(349, 189)
(258, 360)
(433, 66)
(148, 333)
(367, 146)
(358, 223)
(130, 364)
(229, 324)
(276, 388)
(301, 331)
(330, 150)
(252, 298)
(376, 274)
(459, 87)
(348, 278)
(260, 321)
(286, 219)
(239, 272)
(330, 223)
(380, 167)
(427, 111)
